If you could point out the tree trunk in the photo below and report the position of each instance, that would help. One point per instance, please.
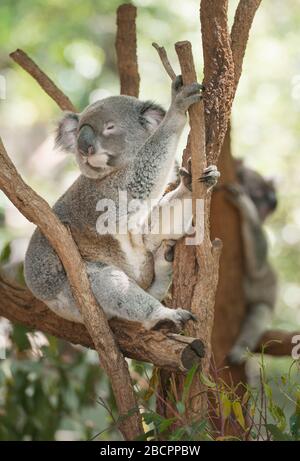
(230, 301)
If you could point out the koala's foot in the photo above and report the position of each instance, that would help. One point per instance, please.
(238, 197)
(238, 355)
(163, 270)
(210, 177)
(171, 319)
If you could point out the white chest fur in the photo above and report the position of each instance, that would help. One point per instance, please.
(135, 255)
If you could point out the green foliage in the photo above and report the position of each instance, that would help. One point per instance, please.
(49, 391)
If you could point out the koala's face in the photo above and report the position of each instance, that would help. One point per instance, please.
(261, 190)
(107, 134)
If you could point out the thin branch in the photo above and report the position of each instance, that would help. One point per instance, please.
(207, 256)
(165, 60)
(196, 140)
(126, 50)
(38, 211)
(21, 58)
(242, 23)
(277, 343)
(170, 351)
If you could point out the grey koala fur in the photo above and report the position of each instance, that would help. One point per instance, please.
(255, 197)
(120, 144)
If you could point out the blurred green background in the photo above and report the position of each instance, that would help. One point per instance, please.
(51, 391)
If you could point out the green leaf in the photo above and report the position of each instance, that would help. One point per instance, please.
(277, 434)
(206, 381)
(165, 423)
(238, 413)
(5, 253)
(188, 381)
(180, 407)
(226, 405)
(19, 337)
(278, 415)
(152, 384)
(295, 425)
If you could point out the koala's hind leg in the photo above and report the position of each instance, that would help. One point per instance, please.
(256, 322)
(163, 270)
(119, 296)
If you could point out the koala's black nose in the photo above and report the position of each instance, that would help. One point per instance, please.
(272, 201)
(86, 140)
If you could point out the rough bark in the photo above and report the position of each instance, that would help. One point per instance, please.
(21, 58)
(207, 254)
(126, 50)
(218, 74)
(242, 23)
(170, 351)
(36, 210)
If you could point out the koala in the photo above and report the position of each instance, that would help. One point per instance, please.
(255, 198)
(120, 144)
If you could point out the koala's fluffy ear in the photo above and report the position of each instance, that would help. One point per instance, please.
(151, 115)
(66, 132)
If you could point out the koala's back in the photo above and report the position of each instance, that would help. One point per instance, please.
(44, 273)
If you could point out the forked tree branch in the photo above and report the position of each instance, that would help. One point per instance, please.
(21, 58)
(165, 60)
(126, 50)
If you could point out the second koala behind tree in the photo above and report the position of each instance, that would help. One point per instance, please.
(255, 198)
(120, 144)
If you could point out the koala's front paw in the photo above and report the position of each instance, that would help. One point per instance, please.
(183, 96)
(210, 177)
(172, 319)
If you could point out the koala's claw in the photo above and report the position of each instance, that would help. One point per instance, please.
(186, 177)
(184, 96)
(175, 320)
(177, 83)
(182, 316)
(210, 177)
(165, 252)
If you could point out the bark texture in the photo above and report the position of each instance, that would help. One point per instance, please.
(207, 254)
(126, 50)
